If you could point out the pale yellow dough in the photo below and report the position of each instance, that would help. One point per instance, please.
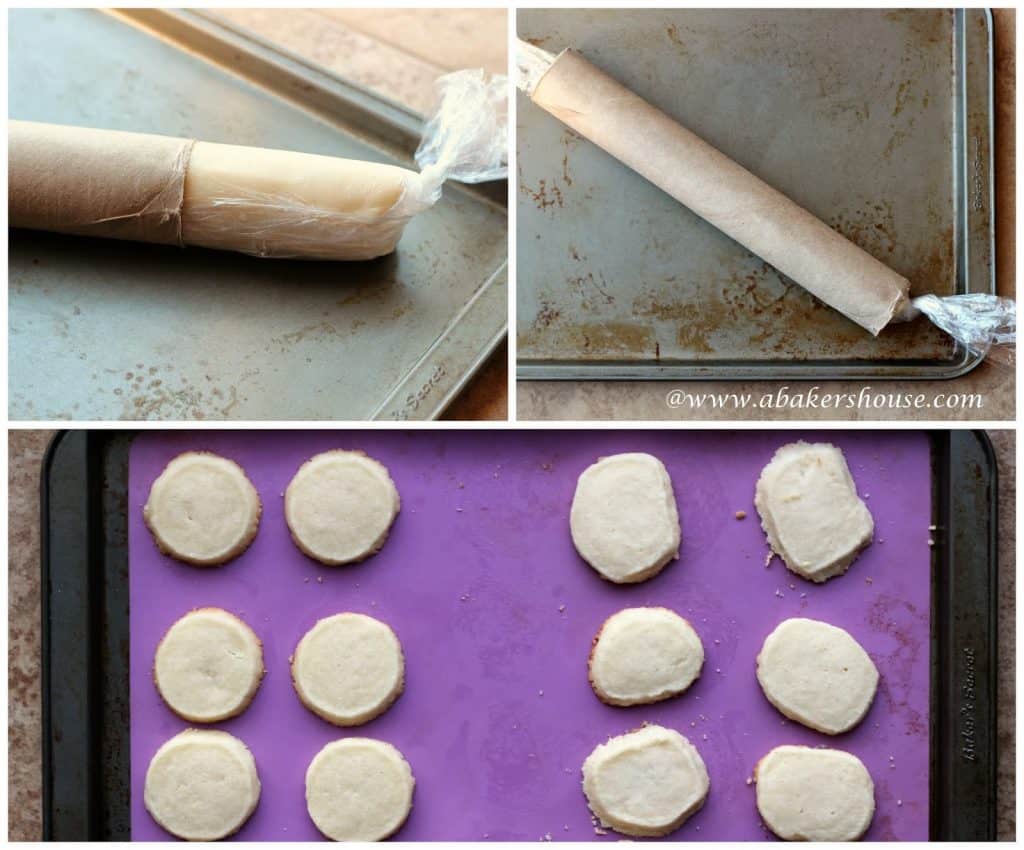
(359, 789)
(202, 785)
(348, 669)
(643, 655)
(811, 794)
(645, 783)
(340, 506)
(288, 204)
(810, 510)
(208, 666)
(202, 509)
(623, 520)
(817, 674)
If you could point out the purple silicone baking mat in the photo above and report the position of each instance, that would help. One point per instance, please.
(496, 613)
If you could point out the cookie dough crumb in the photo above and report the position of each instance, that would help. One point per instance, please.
(741, 514)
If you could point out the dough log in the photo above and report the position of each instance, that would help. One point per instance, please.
(721, 191)
(148, 188)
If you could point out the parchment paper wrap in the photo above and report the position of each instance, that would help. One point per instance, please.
(721, 191)
(96, 182)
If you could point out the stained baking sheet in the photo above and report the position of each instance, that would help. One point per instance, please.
(497, 715)
(114, 330)
(878, 121)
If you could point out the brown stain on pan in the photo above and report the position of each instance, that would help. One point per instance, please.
(547, 315)
(595, 340)
(872, 227)
(930, 26)
(588, 287)
(672, 31)
(545, 195)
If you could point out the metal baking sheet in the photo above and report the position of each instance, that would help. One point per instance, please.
(103, 330)
(878, 121)
(496, 613)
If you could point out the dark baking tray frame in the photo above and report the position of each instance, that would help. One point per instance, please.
(84, 541)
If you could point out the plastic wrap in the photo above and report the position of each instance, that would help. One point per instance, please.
(466, 139)
(261, 202)
(279, 204)
(984, 324)
(282, 226)
(532, 63)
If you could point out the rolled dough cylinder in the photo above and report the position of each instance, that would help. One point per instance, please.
(148, 188)
(283, 204)
(721, 191)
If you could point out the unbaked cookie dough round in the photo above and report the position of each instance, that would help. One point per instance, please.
(817, 674)
(644, 655)
(202, 785)
(809, 794)
(359, 789)
(348, 669)
(339, 507)
(208, 666)
(646, 782)
(810, 510)
(202, 509)
(624, 521)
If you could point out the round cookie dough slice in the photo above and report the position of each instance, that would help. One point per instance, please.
(817, 674)
(808, 794)
(340, 506)
(623, 520)
(202, 785)
(202, 509)
(643, 655)
(646, 782)
(359, 789)
(810, 510)
(348, 669)
(208, 666)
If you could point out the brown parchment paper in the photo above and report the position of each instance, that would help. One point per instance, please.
(96, 182)
(721, 191)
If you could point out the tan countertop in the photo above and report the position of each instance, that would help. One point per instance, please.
(400, 53)
(646, 400)
(25, 452)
